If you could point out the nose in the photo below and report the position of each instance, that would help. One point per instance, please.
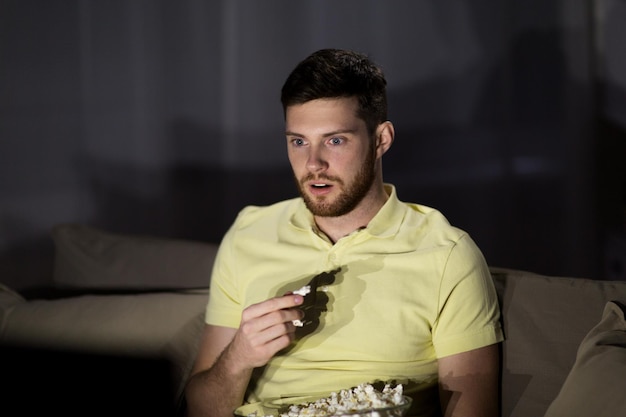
(316, 161)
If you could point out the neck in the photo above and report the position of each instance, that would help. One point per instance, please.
(337, 227)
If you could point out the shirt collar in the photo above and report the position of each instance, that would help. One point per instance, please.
(384, 224)
(389, 218)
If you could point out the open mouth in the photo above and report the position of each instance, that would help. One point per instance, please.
(320, 188)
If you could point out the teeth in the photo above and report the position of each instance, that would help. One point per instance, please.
(319, 185)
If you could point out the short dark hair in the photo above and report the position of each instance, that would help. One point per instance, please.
(335, 73)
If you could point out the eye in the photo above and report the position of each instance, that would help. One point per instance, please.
(336, 141)
(297, 142)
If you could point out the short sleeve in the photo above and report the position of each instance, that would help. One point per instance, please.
(469, 315)
(225, 306)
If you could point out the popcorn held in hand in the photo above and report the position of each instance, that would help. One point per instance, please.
(302, 291)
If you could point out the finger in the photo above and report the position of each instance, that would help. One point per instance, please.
(273, 304)
(275, 345)
(278, 331)
(264, 338)
(269, 320)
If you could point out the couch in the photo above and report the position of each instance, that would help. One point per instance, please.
(118, 296)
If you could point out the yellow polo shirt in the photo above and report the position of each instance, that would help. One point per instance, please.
(386, 301)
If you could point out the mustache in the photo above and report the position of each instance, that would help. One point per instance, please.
(311, 177)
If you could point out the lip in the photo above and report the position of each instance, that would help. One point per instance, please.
(319, 191)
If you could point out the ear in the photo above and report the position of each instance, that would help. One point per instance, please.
(384, 138)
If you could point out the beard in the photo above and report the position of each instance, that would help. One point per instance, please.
(352, 195)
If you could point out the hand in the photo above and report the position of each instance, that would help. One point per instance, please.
(265, 329)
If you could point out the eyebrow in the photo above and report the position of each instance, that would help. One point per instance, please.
(332, 133)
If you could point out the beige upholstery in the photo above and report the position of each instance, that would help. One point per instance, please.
(545, 319)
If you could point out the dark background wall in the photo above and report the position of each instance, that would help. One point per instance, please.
(162, 118)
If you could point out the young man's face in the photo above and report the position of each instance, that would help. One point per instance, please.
(331, 154)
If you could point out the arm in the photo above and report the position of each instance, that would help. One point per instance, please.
(469, 383)
(227, 356)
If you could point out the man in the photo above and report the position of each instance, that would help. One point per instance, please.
(397, 294)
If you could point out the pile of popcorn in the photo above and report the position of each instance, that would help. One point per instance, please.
(361, 398)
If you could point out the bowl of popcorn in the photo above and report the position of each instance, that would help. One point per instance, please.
(361, 401)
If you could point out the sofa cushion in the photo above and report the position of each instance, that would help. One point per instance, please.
(160, 325)
(86, 257)
(595, 385)
(134, 324)
(8, 299)
(544, 318)
(183, 348)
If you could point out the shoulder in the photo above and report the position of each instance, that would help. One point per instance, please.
(250, 215)
(257, 225)
(432, 225)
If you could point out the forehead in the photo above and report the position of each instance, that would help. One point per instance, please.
(332, 114)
